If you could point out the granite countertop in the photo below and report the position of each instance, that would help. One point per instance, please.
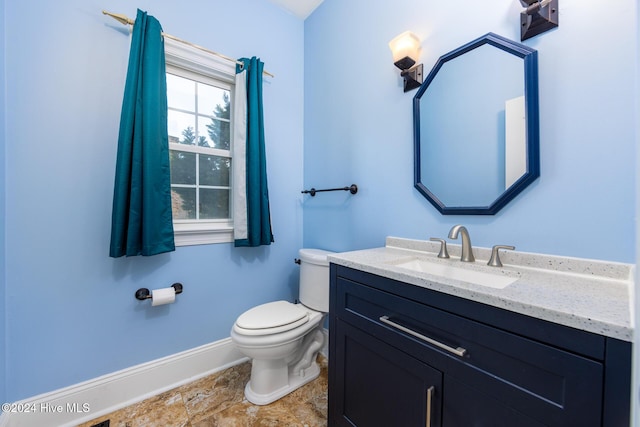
(590, 295)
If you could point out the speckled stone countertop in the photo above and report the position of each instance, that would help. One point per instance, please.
(585, 294)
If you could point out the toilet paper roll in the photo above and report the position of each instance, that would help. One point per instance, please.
(163, 296)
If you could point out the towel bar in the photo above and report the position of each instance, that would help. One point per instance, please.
(353, 189)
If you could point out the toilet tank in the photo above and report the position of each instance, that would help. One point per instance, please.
(314, 279)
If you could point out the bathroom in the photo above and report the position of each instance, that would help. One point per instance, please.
(335, 114)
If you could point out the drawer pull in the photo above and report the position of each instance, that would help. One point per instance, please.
(457, 351)
(430, 391)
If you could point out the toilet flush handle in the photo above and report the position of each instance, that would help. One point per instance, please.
(297, 261)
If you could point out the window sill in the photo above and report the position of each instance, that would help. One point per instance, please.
(196, 234)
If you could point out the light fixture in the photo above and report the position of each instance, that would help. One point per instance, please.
(405, 48)
(538, 17)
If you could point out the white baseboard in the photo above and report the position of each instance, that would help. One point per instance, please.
(85, 401)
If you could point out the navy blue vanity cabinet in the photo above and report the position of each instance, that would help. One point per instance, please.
(402, 355)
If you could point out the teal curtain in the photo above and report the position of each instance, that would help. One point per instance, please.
(141, 222)
(258, 218)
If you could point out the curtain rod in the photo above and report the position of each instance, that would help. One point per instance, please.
(125, 20)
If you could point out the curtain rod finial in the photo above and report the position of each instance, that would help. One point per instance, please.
(123, 19)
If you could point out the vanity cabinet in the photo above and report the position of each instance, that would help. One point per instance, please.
(403, 355)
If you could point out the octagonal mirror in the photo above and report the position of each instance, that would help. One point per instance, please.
(476, 127)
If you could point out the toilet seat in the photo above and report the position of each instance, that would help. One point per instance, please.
(271, 318)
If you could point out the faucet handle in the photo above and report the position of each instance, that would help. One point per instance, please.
(443, 247)
(495, 256)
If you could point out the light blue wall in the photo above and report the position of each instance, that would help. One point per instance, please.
(358, 127)
(2, 221)
(71, 312)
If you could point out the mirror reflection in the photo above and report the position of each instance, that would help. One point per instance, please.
(476, 127)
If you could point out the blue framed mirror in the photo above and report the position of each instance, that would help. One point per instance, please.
(476, 127)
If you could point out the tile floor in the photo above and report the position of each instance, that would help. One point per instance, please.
(218, 400)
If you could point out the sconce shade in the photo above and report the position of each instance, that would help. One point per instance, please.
(405, 49)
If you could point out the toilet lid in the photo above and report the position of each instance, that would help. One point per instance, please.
(278, 314)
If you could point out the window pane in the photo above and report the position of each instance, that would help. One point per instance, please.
(214, 170)
(218, 132)
(214, 204)
(183, 203)
(213, 101)
(181, 93)
(181, 127)
(183, 167)
(204, 137)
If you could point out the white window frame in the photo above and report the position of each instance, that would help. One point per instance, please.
(181, 57)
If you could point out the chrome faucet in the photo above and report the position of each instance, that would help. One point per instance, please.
(467, 250)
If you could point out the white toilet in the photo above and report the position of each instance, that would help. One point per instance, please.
(283, 338)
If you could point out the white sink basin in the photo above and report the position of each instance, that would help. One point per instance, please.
(491, 280)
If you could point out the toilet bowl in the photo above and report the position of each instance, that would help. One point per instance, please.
(283, 338)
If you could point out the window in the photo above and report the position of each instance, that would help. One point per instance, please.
(199, 98)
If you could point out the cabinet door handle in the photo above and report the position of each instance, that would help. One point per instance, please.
(430, 391)
(459, 351)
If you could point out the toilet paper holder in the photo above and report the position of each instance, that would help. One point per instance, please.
(144, 293)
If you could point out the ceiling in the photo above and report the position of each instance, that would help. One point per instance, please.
(300, 8)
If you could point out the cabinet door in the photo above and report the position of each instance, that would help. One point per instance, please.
(378, 385)
(466, 406)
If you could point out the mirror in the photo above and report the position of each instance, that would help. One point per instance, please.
(476, 127)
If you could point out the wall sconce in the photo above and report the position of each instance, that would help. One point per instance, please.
(538, 17)
(405, 49)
